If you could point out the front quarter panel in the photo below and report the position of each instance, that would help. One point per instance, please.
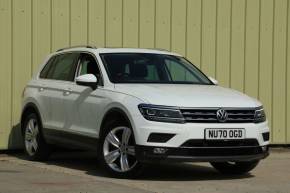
(126, 103)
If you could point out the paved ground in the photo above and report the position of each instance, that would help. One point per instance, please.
(78, 172)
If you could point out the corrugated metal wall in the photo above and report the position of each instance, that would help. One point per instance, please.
(245, 44)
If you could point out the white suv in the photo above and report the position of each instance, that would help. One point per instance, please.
(136, 106)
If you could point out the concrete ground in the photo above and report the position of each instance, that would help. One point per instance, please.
(79, 172)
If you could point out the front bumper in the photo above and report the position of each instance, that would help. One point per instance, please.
(187, 143)
(190, 131)
(200, 154)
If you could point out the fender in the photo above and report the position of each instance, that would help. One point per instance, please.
(114, 109)
(27, 108)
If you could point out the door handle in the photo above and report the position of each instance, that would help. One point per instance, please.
(41, 87)
(67, 91)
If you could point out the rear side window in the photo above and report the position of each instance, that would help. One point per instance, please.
(62, 67)
(47, 68)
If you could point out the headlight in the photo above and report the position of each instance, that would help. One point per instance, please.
(161, 113)
(260, 115)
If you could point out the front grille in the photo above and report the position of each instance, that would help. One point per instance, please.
(220, 143)
(210, 115)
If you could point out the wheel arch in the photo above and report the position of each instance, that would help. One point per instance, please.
(112, 114)
(29, 108)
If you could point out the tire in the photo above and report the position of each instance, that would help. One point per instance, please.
(116, 151)
(234, 168)
(35, 146)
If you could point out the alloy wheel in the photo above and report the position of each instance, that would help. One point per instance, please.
(31, 133)
(119, 149)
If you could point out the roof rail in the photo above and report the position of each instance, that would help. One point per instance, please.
(78, 46)
(159, 49)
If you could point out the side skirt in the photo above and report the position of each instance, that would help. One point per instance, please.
(70, 140)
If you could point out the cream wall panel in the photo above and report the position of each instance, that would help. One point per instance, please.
(130, 23)
(163, 24)
(279, 69)
(96, 22)
(252, 48)
(147, 24)
(266, 57)
(114, 22)
(178, 26)
(5, 71)
(238, 44)
(223, 42)
(208, 50)
(41, 33)
(22, 59)
(193, 33)
(60, 26)
(288, 76)
(21, 53)
(78, 22)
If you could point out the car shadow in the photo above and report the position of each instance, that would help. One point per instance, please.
(87, 162)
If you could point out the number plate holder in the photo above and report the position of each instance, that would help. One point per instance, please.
(224, 133)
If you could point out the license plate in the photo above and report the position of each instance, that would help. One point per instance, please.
(212, 134)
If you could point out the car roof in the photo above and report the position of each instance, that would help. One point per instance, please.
(117, 50)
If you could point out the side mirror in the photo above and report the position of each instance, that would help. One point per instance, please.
(213, 80)
(89, 80)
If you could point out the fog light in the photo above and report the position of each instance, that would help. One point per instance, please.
(264, 148)
(159, 150)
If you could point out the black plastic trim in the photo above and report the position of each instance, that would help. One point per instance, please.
(220, 143)
(266, 136)
(146, 154)
(70, 140)
(160, 137)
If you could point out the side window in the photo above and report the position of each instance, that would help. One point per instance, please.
(64, 67)
(44, 72)
(88, 65)
(180, 72)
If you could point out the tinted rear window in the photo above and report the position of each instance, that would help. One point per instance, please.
(61, 67)
(47, 68)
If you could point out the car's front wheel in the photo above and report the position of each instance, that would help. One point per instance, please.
(117, 151)
(237, 168)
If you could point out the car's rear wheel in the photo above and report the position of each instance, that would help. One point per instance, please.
(237, 168)
(34, 143)
(117, 151)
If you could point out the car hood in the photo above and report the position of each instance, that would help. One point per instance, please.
(187, 95)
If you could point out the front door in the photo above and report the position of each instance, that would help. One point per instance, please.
(82, 104)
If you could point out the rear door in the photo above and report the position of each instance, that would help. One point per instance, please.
(53, 88)
(43, 93)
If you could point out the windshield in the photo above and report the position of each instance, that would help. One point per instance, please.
(151, 68)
